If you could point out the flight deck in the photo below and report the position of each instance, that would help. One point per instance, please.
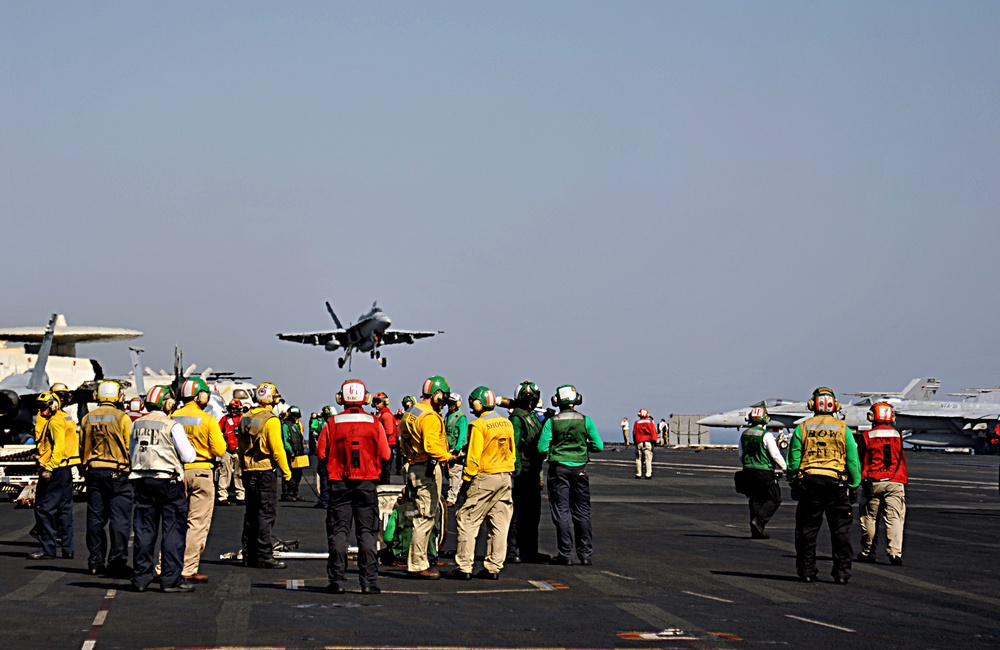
(674, 566)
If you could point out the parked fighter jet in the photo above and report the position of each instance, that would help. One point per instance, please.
(17, 392)
(367, 335)
(967, 423)
(787, 413)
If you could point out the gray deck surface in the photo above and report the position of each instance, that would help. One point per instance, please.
(671, 554)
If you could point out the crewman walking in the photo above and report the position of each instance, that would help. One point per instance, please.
(664, 430)
(568, 437)
(824, 474)
(230, 474)
(159, 449)
(625, 430)
(644, 436)
(206, 437)
(456, 427)
(55, 437)
(106, 459)
(261, 451)
(522, 536)
(486, 482)
(295, 451)
(356, 450)
(761, 460)
(883, 474)
(422, 438)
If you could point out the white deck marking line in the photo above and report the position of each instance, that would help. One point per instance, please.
(814, 622)
(102, 615)
(721, 600)
(539, 585)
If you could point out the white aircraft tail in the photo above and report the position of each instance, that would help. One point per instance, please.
(921, 388)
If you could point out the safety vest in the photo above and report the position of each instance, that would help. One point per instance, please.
(569, 438)
(527, 445)
(389, 424)
(253, 440)
(824, 447)
(883, 455)
(354, 445)
(295, 440)
(154, 454)
(644, 430)
(71, 439)
(453, 430)
(755, 455)
(105, 440)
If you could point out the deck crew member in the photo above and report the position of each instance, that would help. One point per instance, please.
(261, 452)
(106, 459)
(206, 437)
(356, 450)
(295, 451)
(522, 536)
(568, 437)
(380, 402)
(644, 436)
(762, 461)
(456, 427)
(663, 429)
(230, 475)
(824, 474)
(323, 502)
(422, 438)
(883, 477)
(55, 437)
(486, 482)
(159, 449)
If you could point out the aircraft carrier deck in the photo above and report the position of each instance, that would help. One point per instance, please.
(673, 567)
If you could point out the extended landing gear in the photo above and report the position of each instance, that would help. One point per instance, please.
(382, 362)
(340, 363)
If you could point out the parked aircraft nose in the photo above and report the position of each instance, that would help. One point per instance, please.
(722, 420)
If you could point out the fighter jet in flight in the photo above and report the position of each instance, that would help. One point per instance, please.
(367, 335)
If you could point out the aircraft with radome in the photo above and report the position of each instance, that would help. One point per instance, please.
(369, 334)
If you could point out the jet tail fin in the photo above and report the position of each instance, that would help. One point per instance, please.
(921, 388)
(37, 381)
(334, 316)
(137, 371)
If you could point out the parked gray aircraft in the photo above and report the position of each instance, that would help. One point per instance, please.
(367, 335)
(787, 413)
(966, 423)
(17, 392)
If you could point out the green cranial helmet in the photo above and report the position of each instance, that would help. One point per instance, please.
(158, 398)
(487, 399)
(527, 394)
(567, 395)
(435, 384)
(295, 412)
(191, 388)
(408, 401)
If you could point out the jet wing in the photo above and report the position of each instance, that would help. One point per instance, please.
(391, 337)
(317, 338)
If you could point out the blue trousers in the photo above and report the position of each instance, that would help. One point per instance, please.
(54, 511)
(569, 500)
(357, 500)
(109, 501)
(159, 501)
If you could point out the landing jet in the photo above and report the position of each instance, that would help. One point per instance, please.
(367, 335)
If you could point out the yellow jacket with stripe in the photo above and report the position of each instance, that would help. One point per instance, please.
(422, 434)
(57, 442)
(259, 444)
(204, 434)
(491, 446)
(106, 434)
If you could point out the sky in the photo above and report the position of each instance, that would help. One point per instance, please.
(678, 206)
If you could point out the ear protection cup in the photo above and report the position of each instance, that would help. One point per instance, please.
(202, 399)
(555, 402)
(339, 398)
(579, 399)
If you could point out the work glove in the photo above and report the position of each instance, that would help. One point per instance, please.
(464, 490)
(852, 494)
(46, 474)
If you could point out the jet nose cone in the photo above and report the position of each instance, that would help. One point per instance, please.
(712, 421)
(385, 319)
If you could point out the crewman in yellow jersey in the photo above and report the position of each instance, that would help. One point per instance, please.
(205, 436)
(261, 451)
(486, 482)
(55, 479)
(423, 440)
(107, 462)
(72, 460)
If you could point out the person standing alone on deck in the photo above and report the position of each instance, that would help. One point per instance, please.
(762, 463)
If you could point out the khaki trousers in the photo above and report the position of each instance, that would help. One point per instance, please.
(489, 498)
(426, 492)
(230, 474)
(201, 504)
(643, 457)
(455, 471)
(888, 501)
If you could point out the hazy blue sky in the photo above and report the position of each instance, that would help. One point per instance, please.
(683, 206)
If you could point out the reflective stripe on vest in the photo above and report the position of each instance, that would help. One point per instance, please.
(824, 447)
(154, 450)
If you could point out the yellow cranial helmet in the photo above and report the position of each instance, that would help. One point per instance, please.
(109, 391)
(267, 394)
